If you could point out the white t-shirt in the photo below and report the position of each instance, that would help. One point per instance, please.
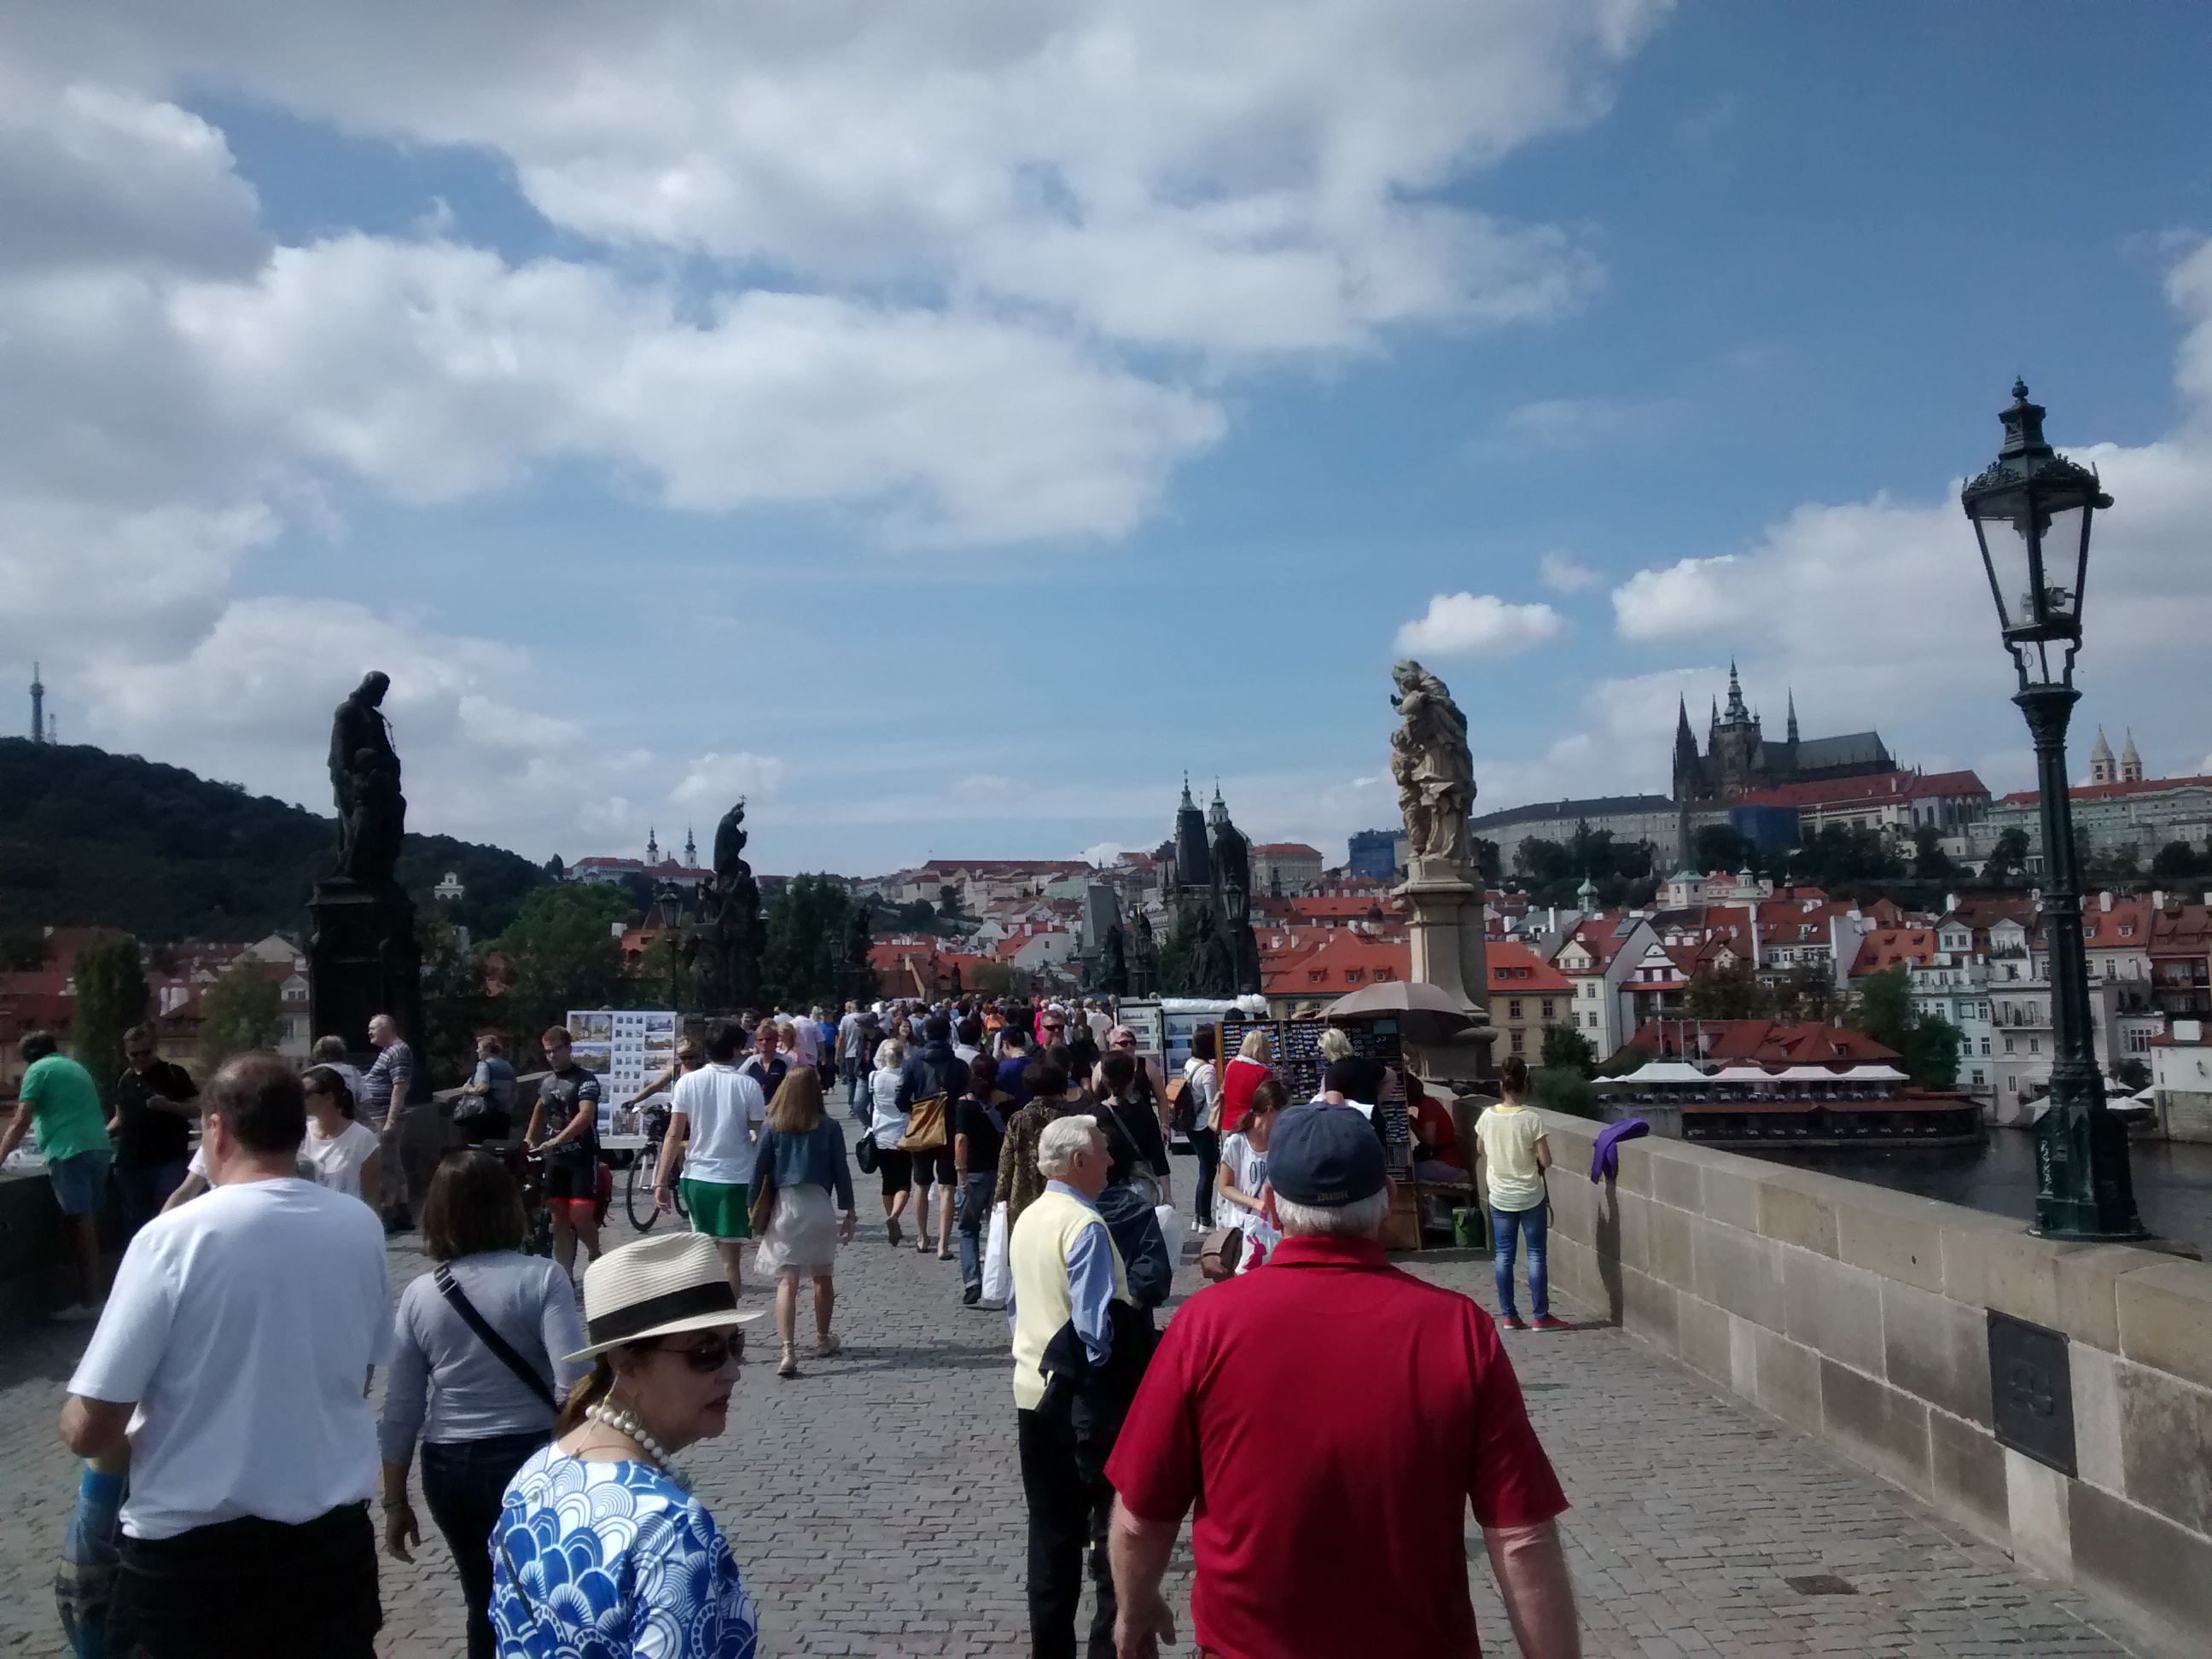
(727, 1111)
(1245, 1168)
(889, 1123)
(1204, 1078)
(244, 1324)
(337, 1161)
(799, 1035)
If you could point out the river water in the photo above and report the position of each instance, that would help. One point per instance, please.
(2174, 1180)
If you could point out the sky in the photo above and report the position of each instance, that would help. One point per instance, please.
(947, 424)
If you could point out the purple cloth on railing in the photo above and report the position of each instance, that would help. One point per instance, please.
(1605, 1158)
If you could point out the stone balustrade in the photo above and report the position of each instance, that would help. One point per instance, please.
(1868, 1318)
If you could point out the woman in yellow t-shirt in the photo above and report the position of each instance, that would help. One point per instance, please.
(1515, 1156)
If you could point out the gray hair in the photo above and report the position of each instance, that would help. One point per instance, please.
(1361, 1219)
(1335, 1043)
(1065, 1139)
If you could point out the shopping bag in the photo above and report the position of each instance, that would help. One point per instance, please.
(998, 1270)
(1170, 1220)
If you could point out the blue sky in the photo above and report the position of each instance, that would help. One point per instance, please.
(947, 430)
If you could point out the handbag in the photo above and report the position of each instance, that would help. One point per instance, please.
(763, 1209)
(865, 1153)
(1220, 1252)
(1182, 1106)
(998, 1265)
(925, 1126)
(500, 1349)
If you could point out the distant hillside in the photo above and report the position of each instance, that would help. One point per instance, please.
(87, 837)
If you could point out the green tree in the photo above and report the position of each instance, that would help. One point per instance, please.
(1173, 965)
(1566, 1049)
(2008, 860)
(1718, 847)
(1488, 870)
(111, 999)
(1927, 1045)
(242, 1010)
(2132, 1075)
(1564, 1088)
(561, 953)
(1729, 992)
(1807, 994)
(455, 1006)
(1930, 861)
(2176, 861)
(803, 944)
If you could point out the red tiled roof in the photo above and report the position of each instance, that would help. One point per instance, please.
(1762, 1041)
(1345, 960)
(2108, 790)
(1886, 947)
(1878, 789)
(1517, 970)
(1283, 849)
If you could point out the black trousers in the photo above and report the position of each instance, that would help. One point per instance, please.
(462, 1483)
(1206, 1143)
(1067, 1513)
(250, 1589)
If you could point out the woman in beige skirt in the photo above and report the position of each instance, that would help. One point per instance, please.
(802, 1155)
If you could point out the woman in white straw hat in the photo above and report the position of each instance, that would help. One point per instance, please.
(600, 1547)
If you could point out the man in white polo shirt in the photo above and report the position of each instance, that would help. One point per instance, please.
(233, 1355)
(715, 1122)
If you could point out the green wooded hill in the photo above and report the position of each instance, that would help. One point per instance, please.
(91, 838)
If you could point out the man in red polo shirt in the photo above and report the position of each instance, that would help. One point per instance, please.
(1331, 1418)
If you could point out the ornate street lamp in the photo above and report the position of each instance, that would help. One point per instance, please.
(2031, 512)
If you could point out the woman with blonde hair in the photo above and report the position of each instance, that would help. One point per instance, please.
(600, 1547)
(1244, 1073)
(801, 1158)
(886, 1127)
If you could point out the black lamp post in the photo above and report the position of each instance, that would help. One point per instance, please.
(2031, 512)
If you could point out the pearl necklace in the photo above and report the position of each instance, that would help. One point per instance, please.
(626, 1423)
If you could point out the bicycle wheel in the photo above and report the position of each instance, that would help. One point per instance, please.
(637, 1189)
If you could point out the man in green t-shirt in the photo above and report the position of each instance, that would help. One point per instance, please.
(59, 1096)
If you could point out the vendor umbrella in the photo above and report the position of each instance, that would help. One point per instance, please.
(1425, 1013)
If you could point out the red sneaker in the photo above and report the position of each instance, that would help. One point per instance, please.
(1514, 1322)
(1548, 1323)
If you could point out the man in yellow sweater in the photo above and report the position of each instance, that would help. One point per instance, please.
(1067, 1274)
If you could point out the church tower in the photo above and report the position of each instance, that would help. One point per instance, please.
(2100, 761)
(38, 707)
(690, 849)
(1793, 717)
(2130, 763)
(1688, 780)
(1194, 866)
(652, 850)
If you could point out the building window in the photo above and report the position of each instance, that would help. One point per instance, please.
(2012, 1086)
(2008, 1048)
(1985, 1048)
(1317, 976)
(1513, 1008)
(2035, 1045)
(1978, 1076)
(1351, 977)
(1547, 1007)
(1382, 973)
(1520, 1041)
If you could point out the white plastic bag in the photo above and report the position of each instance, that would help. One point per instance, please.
(998, 1270)
(1170, 1220)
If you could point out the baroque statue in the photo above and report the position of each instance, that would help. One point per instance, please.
(1432, 766)
(365, 781)
(731, 909)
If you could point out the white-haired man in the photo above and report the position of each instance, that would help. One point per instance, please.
(1067, 1275)
(1337, 1415)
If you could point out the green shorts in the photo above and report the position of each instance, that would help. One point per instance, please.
(719, 1210)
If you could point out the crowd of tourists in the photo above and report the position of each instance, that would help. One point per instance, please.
(232, 1455)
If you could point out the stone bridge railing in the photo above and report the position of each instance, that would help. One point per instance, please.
(2055, 1398)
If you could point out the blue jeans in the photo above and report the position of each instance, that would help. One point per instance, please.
(463, 1485)
(1506, 1227)
(976, 1200)
(144, 1188)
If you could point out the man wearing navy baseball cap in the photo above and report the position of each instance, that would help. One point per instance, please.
(1342, 1414)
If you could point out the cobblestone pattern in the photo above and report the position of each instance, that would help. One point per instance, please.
(874, 1506)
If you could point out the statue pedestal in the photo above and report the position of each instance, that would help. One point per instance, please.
(362, 961)
(1444, 923)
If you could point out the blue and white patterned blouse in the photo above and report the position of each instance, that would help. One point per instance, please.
(608, 1560)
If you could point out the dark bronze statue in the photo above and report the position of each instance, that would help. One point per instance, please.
(730, 904)
(1114, 978)
(365, 780)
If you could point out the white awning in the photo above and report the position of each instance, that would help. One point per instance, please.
(1742, 1074)
(1875, 1074)
(1808, 1074)
(1665, 1071)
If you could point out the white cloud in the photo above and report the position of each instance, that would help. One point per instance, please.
(1479, 625)
(714, 780)
(1563, 576)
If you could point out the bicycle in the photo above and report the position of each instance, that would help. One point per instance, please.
(644, 1169)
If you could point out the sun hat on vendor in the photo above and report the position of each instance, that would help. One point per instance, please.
(656, 1287)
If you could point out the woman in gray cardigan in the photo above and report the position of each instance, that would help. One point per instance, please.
(803, 1154)
(478, 1412)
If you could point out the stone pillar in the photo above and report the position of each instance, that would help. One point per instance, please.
(362, 961)
(1445, 924)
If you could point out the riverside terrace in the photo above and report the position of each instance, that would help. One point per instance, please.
(1787, 1443)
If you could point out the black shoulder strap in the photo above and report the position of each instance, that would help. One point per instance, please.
(491, 1339)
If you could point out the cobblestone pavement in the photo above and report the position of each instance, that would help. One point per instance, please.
(874, 1506)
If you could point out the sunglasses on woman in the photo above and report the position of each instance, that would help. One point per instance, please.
(712, 1354)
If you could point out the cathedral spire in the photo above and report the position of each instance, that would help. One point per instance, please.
(1793, 716)
(1187, 800)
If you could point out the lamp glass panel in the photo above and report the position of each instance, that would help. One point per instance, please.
(2002, 523)
(2063, 550)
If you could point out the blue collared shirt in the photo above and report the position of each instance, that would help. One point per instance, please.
(1090, 1280)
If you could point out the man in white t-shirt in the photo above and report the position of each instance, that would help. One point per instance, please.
(714, 1124)
(233, 1356)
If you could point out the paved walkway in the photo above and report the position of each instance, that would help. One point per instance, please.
(874, 1505)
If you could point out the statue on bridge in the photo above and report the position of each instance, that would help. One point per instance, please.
(729, 951)
(365, 782)
(1432, 766)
